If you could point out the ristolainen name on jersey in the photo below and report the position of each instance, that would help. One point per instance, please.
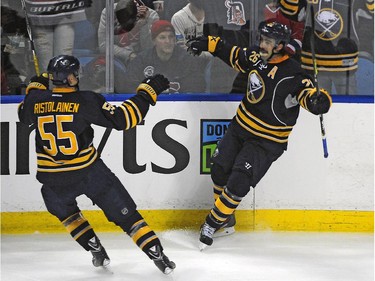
(45, 107)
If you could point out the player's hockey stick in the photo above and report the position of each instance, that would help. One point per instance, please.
(104, 139)
(35, 58)
(349, 21)
(312, 40)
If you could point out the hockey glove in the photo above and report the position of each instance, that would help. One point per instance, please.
(38, 83)
(198, 45)
(151, 87)
(318, 103)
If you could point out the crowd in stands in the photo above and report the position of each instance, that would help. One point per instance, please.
(156, 41)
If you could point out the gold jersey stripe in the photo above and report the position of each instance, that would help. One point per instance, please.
(328, 56)
(127, 117)
(332, 63)
(266, 125)
(336, 69)
(133, 117)
(246, 127)
(253, 125)
(136, 108)
(67, 169)
(58, 163)
(288, 8)
(46, 156)
(233, 59)
(302, 97)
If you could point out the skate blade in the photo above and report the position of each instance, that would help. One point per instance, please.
(224, 232)
(168, 270)
(202, 246)
(105, 269)
(106, 262)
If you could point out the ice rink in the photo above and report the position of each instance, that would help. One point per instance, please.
(255, 256)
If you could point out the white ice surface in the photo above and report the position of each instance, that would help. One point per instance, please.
(253, 256)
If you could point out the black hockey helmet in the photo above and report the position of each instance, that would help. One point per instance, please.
(279, 32)
(61, 66)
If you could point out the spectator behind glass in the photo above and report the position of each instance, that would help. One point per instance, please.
(274, 11)
(188, 22)
(15, 59)
(173, 6)
(130, 37)
(336, 47)
(148, 3)
(232, 16)
(53, 31)
(182, 70)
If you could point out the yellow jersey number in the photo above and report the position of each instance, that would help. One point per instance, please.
(53, 148)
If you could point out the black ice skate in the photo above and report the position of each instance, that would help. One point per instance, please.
(161, 260)
(99, 255)
(227, 227)
(205, 236)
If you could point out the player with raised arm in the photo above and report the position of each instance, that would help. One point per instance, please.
(68, 164)
(258, 134)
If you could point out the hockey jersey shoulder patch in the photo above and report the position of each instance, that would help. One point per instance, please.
(290, 101)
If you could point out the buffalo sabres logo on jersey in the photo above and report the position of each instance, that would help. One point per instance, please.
(329, 24)
(255, 87)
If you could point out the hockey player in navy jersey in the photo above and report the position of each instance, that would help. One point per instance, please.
(258, 134)
(68, 164)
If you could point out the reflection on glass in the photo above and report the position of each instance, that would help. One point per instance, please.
(344, 38)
